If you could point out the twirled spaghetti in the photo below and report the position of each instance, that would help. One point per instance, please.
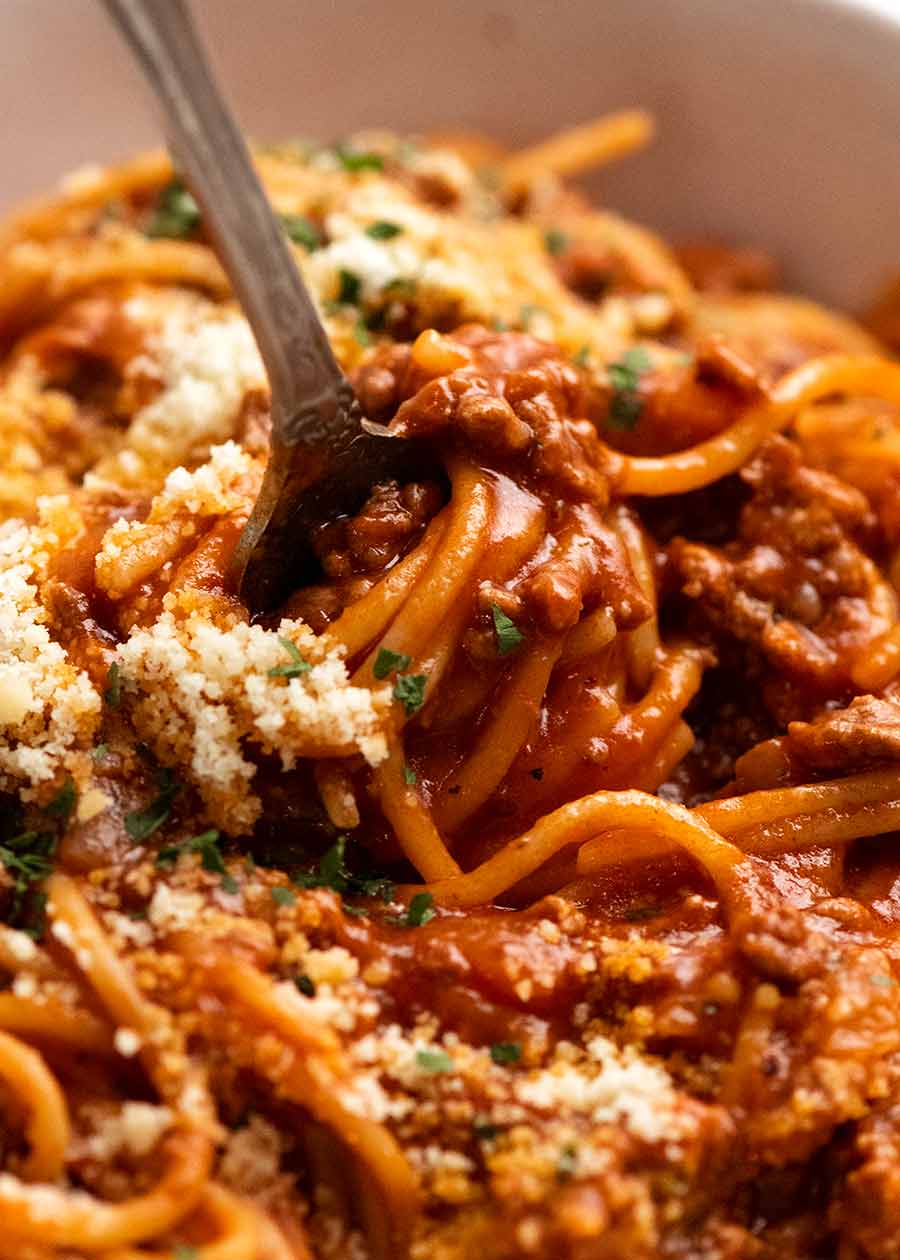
(523, 887)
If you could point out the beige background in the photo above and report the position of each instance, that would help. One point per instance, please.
(779, 119)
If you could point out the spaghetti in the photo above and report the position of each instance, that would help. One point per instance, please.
(524, 886)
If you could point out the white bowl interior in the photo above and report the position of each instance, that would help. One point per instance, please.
(778, 119)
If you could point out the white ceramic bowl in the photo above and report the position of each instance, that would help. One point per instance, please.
(779, 119)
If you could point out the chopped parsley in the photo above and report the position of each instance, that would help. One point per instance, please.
(506, 1052)
(386, 662)
(383, 230)
(509, 636)
(297, 665)
(302, 231)
(527, 312)
(306, 985)
(98, 753)
(177, 213)
(639, 913)
(581, 356)
(567, 1164)
(409, 775)
(184, 1252)
(485, 1131)
(28, 859)
(113, 693)
(361, 333)
(207, 845)
(332, 873)
(421, 910)
(555, 241)
(499, 325)
(283, 896)
(434, 1061)
(349, 286)
(141, 823)
(357, 160)
(63, 802)
(625, 374)
(409, 690)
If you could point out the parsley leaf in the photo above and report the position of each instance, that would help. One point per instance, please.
(306, 986)
(556, 242)
(141, 823)
(356, 160)
(506, 1052)
(361, 332)
(28, 859)
(207, 845)
(409, 775)
(409, 690)
(527, 312)
(386, 662)
(63, 802)
(184, 1252)
(485, 1131)
(349, 287)
(98, 753)
(382, 230)
(113, 693)
(567, 1164)
(509, 636)
(297, 664)
(302, 231)
(434, 1061)
(177, 213)
(625, 374)
(283, 896)
(421, 910)
(582, 356)
(332, 873)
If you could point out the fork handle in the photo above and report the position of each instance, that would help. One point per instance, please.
(308, 387)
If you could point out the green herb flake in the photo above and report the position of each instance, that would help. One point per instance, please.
(484, 1131)
(434, 1061)
(357, 160)
(527, 313)
(28, 859)
(581, 357)
(639, 913)
(141, 823)
(509, 636)
(229, 884)
(302, 231)
(306, 985)
(183, 1252)
(332, 873)
(567, 1164)
(409, 690)
(421, 910)
(63, 802)
(349, 286)
(98, 753)
(387, 662)
(625, 374)
(506, 1052)
(176, 215)
(207, 846)
(383, 230)
(499, 325)
(297, 664)
(361, 334)
(555, 241)
(113, 693)
(283, 896)
(409, 775)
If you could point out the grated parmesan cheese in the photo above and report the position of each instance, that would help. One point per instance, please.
(203, 690)
(49, 710)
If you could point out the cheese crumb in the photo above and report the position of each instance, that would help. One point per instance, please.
(204, 690)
